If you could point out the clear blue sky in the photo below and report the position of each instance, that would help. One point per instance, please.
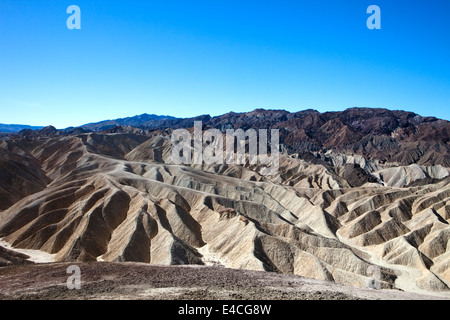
(186, 58)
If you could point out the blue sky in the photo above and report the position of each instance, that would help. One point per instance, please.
(187, 58)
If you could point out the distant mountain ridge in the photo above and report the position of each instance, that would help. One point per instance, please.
(399, 137)
(393, 136)
(136, 121)
(17, 127)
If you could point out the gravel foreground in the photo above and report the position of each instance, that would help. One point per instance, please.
(139, 281)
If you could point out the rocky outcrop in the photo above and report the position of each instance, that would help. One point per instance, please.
(381, 135)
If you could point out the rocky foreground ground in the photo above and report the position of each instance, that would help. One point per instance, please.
(140, 281)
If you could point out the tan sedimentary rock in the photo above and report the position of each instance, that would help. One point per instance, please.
(119, 197)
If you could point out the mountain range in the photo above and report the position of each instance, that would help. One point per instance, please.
(377, 134)
(361, 195)
(6, 128)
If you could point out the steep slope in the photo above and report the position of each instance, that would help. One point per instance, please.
(20, 174)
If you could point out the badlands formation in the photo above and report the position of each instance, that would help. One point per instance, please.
(356, 215)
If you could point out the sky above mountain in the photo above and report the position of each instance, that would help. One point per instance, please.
(186, 58)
